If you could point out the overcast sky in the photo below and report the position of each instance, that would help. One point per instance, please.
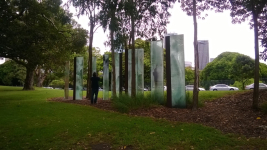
(217, 28)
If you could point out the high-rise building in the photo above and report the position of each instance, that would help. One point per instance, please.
(211, 59)
(203, 53)
(187, 63)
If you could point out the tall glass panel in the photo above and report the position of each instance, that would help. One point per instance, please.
(79, 78)
(94, 64)
(177, 71)
(139, 70)
(111, 83)
(106, 77)
(67, 74)
(117, 73)
(129, 71)
(157, 89)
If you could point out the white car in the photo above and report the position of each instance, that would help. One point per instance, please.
(251, 86)
(191, 88)
(223, 87)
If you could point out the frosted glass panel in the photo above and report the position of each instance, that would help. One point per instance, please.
(117, 73)
(139, 69)
(177, 70)
(129, 71)
(203, 53)
(156, 52)
(79, 78)
(94, 65)
(106, 77)
(67, 74)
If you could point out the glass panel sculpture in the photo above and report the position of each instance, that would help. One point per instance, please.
(67, 74)
(78, 79)
(129, 71)
(94, 65)
(157, 89)
(117, 73)
(177, 71)
(139, 70)
(105, 77)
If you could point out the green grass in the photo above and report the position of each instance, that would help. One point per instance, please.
(29, 121)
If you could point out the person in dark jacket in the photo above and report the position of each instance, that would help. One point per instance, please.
(95, 88)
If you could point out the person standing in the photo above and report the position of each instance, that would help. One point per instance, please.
(95, 88)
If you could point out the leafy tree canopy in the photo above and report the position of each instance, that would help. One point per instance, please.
(12, 74)
(38, 33)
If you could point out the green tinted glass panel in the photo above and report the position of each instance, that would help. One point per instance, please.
(94, 64)
(129, 71)
(157, 90)
(117, 73)
(177, 71)
(79, 78)
(139, 69)
(106, 77)
(66, 74)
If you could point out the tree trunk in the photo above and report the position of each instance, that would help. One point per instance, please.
(133, 92)
(113, 64)
(28, 85)
(40, 77)
(126, 68)
(196, 81)
(256, 73)
(89, 73)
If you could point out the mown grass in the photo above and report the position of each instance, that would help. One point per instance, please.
(29, 121)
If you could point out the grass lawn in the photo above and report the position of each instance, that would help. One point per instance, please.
(29, 121)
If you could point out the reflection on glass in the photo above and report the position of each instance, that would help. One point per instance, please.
(117, 73)
(157, 91)
(79, 78)
(139, 70)
(177, 71)
(106, 77)
(129, 72)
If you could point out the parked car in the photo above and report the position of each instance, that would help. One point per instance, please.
(165, 88)
(251, 86)
(222, 87)
(191, 88)
(145, 89)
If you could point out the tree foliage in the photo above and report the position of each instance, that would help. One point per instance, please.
(38, 33)
(219, 68)
(189, 75)
(242, 69)
(12, 74)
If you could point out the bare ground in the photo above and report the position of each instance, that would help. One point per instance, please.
(230, 114)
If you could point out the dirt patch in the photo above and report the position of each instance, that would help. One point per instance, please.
(230, 114)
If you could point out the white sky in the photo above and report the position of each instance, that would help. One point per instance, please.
(217, 28)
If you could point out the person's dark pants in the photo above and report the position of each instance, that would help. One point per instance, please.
(94, 95)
